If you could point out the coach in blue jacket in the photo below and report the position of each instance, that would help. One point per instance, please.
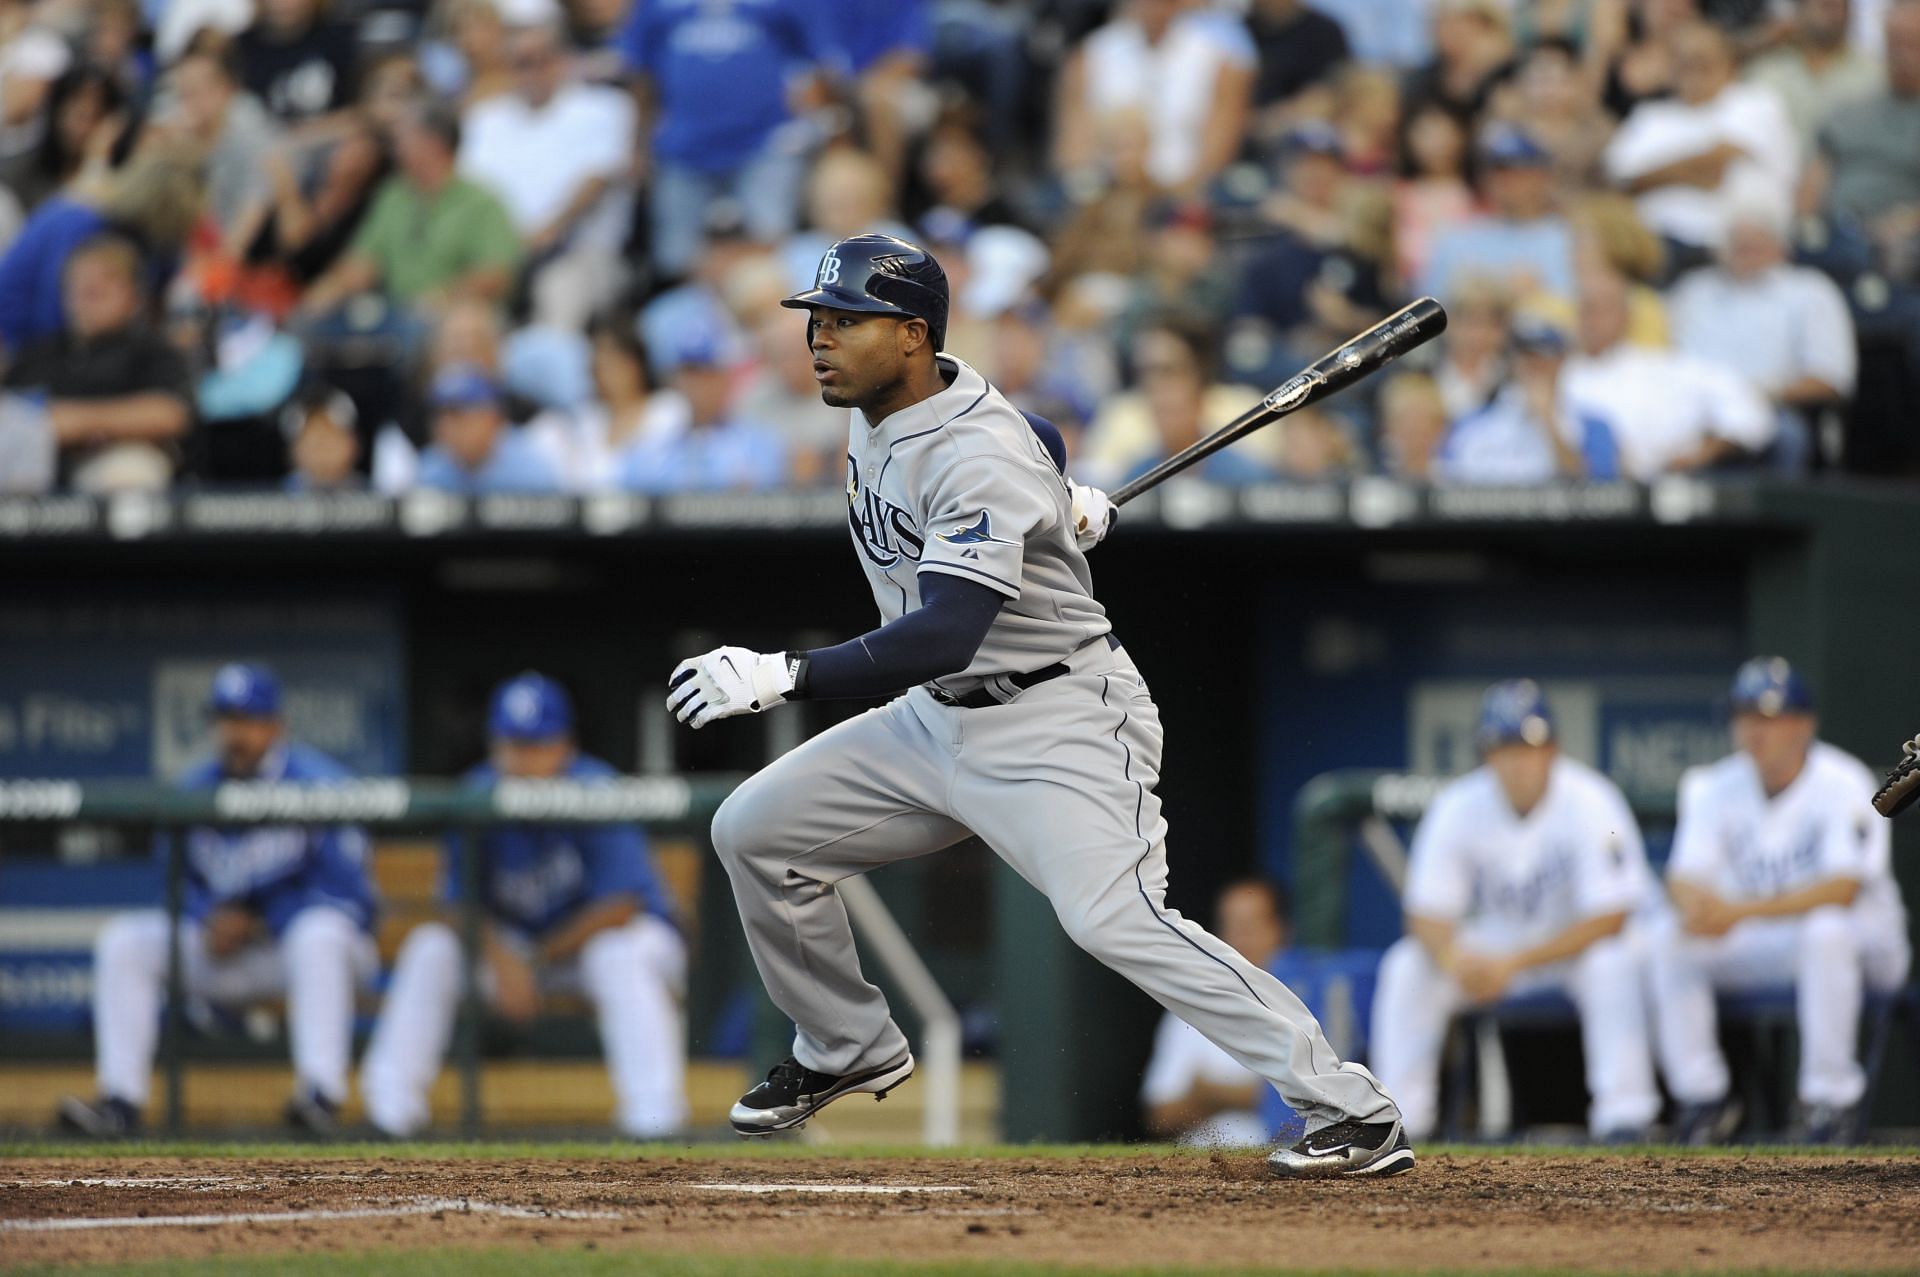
(568, 908)
(267, 910)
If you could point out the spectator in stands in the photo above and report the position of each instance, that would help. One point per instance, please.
(1718, 139)
(467, 61)
(183, 22)
(587, 445)
(1609, 235)
(154, 199)
(1665, 411)
(714, 82)
(85, 118)
(323, 441)
(1523, 876)
(1781, 875)
(1472, 352)
(1391, 33)
(783, 394)
(267, 911)
(1871, 149)
(1784, 328)
(957, 170)
(1523, 244)
(1192, 1091)
(848, 193)
(297, 62)
(1174, 402)
(236, 135)
(1473, 56)
(33, 57)
(431, 235)
(1299, 50)
(1817, 70)
(475, 450)
(558, 152)
(1413, 421)
(1183, 270)
(717, 449)
(1186, 72)
(1431, 197)
(119, 398)
(1636, 41)
(568, 909)
(1524, 434)
(882, 49)
(1554, 98)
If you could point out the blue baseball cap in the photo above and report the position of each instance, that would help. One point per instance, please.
(244, 691)
(1505, 146)
(1513, 713)
(530, 707)
(1313, 137)
(1538, 334)
(463, 386)
(1770, 687)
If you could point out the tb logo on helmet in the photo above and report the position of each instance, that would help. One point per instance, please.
(829, 270)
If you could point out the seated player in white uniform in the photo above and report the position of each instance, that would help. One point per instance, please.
(1781, 874)
(266, 910)
(1194, 1092)
(1524, 875)
(570, 908)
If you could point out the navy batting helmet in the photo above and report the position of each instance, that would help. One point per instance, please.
(882, 275)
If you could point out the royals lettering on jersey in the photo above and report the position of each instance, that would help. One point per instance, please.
(1508, 881)
(958, 483)
(277, 870)
(1743, 845)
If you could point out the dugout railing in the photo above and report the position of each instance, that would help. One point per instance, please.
(1366, 812)
(674, 805)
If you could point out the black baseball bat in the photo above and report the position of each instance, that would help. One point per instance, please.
(1392, 337)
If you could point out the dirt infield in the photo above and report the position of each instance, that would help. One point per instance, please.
(1633, 1212)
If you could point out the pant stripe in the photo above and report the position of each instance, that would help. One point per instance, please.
(1139, 804)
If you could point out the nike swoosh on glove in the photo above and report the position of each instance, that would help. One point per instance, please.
(728, 681)
(1093, 515)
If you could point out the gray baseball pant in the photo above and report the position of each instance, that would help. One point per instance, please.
(1059, 782)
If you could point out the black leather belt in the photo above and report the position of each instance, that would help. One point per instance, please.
(981, 698)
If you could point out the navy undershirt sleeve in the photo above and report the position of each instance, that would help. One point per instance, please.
(938, 638)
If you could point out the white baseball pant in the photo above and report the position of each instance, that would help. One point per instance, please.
(1415, 1001)
(317, 963)
(634, 975)
(1829, 955)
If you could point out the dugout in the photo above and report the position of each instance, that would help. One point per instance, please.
(1287, 631)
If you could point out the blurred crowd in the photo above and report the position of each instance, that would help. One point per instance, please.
(535, 245)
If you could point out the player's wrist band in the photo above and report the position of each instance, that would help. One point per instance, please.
(797, 664)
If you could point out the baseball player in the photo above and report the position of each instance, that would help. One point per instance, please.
(569, 908)
(1024, 722)
(1523, 876)
(1780, 874)
(267, 910)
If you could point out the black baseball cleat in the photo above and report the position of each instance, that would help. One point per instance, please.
(793, 1093)
(1708, 1124)
(312, 1113)
(1346, 1149)
(107, 1118)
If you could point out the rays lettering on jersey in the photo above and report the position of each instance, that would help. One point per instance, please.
(1761, 875)
(242, 862)
(1524, 897)
(884, 532)
(534, 892)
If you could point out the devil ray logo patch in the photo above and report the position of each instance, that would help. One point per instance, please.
(979, 532)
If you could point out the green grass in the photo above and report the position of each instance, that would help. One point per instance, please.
(579, 1262)
(731, 1150)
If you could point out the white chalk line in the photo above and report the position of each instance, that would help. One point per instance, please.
(831, 1188)
(426, 1206)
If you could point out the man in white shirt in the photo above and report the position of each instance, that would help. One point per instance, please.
(1781, 874)
(1665, 411)
(1685, 156)
(558, 154)
(1523, 876)
(1784, 328)
(1193, 1091)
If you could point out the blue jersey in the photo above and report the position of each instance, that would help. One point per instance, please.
(517, 465)
(278, 870)
(719, 70)
(865, 31)
(534, 877)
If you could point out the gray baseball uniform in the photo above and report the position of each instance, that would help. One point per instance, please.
(1058, 779)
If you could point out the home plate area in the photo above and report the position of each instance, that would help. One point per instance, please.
(1181, 1210)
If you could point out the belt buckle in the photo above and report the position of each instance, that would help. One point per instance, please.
(941, 694)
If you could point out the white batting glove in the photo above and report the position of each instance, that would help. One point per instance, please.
(1093, 515)
(728, 681)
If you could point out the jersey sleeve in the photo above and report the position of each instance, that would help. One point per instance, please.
(1613, 860)
(618, 863)
(1439, 877)
(1852, 840)
(979, 515)
(1170, 1071)
(1696, 848)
